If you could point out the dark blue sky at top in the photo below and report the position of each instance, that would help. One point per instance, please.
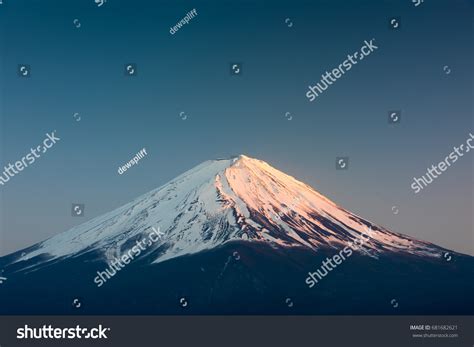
(82, 70)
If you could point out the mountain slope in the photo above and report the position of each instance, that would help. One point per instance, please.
(223, 200)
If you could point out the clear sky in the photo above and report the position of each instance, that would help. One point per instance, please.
(82, 70)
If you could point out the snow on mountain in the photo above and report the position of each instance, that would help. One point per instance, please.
(223, 200)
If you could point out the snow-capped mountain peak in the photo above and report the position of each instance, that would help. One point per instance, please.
(218, 201)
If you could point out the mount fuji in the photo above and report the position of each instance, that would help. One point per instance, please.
(239, 237)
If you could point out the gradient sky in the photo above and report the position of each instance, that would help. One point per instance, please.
(82, 70)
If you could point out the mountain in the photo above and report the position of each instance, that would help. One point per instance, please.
(226, 227)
